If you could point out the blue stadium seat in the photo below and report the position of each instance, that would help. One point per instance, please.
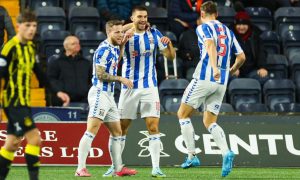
(52, 58)
(52, 42)
(189, 73)
(158, 17)
(244, 90)
(173, 88)
(226, 15)
(277, 66)
(261, 17)
(278, 91)
(69, 4)
(287, 18)
(291, 41)
(171, 36)
(252, 107)
(50, 18)
(172, 103)
(84, 19)
(295, 67)
(151, 3)
(271, 42)
(225, 107)
(287, 107)
(34, 4)
(89, 41)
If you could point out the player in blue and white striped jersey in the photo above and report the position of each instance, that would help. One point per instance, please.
(101, 100)
(217, 43)
(139, 66)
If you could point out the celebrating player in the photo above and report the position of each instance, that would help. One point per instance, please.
(217, 43)
(101, 100)
(139, 66)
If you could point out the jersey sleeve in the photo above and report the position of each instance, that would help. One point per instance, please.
(204, 32)
(102, 57)
(5, 57)
(236, 48)
(161, 46)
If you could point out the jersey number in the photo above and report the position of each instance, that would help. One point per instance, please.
(222, 45)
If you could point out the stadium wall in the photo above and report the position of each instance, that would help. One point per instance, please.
(261, 140)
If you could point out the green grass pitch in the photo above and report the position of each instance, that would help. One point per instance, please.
(67, 173)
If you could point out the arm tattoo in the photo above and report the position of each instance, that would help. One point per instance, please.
(104, 76)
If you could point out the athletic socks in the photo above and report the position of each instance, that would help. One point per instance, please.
(154, 148)
(115, 148)
(219, 137)
(6, 157)
(188, 134)
(84, 148)
(32, 159)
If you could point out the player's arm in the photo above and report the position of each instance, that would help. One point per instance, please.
(212, 53)
(169, 52)
(106, 77)
(239, 61)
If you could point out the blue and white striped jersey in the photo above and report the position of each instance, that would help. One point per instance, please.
(226, 44)
(140, 57)
(107, 56)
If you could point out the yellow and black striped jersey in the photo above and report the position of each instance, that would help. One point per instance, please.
(17, 63)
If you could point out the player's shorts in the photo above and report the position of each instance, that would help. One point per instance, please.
(19, 120)
(147, 99)
(102, 105)
(210, 94)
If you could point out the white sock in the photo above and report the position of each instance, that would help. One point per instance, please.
(84, 149)
(123, 140)
(154, 149)
(114, 146)
(219, 137)
(188, 134)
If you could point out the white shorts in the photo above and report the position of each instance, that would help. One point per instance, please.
(210, 94)
(147, 99)
(102, 105)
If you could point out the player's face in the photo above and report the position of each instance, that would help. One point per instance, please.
(27, 30)
(116, 34)
(140, 19)
(242, 28)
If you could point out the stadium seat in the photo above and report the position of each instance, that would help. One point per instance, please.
(52, 58)
(225, 107)
(158, 17)
(150, 3)
(226, 15)
(277, 66)
(117, 91)
(50, 18)
(287, 107)
(252, 107)
(271, 42)
(244, 90)
(89, 41)
(172, 103)
(291, 41)
(53, 42)
(261, 17)
(298, 89)
(278, 91)
(189, 73)
(69, 4)
(173, 88)
(35, 4)
(287, 18)
(84, 19)
(295, 67)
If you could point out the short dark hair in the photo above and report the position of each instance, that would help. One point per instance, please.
(27, 16)
(109, 24)
(209, 7)
(139, 8)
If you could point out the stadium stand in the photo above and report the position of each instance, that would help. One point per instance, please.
(53, 41)
(35, 4)
(225, 107)
(226, 15)
(271, 42)
(252, 107)
(287, 107)
(69, 4)
(158, 17)
(261, 17)
(277, 66)
(287, 18)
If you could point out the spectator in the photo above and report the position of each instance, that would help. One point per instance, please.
(5, 23)
(116, 9)
(188, 49)
(183, 14)
(70, 73)
(248, 37)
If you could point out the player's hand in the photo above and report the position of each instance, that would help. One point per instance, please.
(126, 82)
(148, 26)
(165, 40)
(64, 97)
(216, 74)
(236, 73)
(232, 71)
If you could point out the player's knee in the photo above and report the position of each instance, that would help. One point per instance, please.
(181, 114)
(153, 129)
(36, 141)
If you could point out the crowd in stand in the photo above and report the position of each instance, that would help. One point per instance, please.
(69, 71)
